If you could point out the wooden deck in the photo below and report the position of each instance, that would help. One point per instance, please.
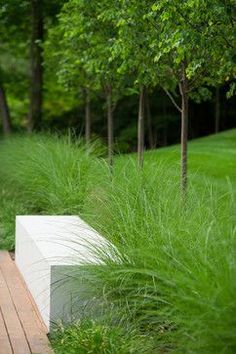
(21, 328)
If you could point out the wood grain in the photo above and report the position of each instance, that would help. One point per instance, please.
(23, 328)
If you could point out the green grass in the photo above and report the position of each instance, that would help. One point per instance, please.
(177, 271)
(43, 175)
(173, 279)
(211, 157)
(90, 337)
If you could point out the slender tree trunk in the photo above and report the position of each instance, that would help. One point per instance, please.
(110, 126)
(4, 112)
(217, 110)
(36, 75)
(149, 122)
(184, 131)
(141, 127)
(87, 117)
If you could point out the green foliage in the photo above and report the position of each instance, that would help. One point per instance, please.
(127, 138)
(93, 337)
(85, 55)
(13, 56)
(90, 45)
(52, 175)
(196, 32)
(172, 260)
(176, 273)
(173, 278)
(10, 206)
(44, 175)
(15, 32)
(142, 43)
(132, 44)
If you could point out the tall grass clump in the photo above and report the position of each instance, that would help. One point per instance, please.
(174, 274)
(45, 174)
(51, 174)
(89, 336)
(9, 207)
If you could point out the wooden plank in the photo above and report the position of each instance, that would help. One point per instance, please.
(38, 317)
(33, 329)
(5, 345)
(15, 331)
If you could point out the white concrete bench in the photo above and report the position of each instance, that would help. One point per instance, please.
(50, 251)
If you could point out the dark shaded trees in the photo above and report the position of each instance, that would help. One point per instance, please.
(217, 110)
(4, 111)
(87, 100)
(36, 68)
(11, 28)
(141, 111)
(151, 139)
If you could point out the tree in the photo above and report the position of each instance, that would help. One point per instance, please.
(88, 35)
(186, 42)
(98, 29)
(68, 66)
(136, 58)
(36, 68)
(12, 32)
(4, 111)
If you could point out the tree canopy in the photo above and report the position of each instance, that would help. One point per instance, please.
(126, 58)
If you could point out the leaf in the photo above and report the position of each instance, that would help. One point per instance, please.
(154, 7)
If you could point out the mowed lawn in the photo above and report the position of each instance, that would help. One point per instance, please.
(211, 159)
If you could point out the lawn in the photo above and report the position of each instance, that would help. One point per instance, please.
(172, 285)
(212, 157)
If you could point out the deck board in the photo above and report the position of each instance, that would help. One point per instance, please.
(5, 346)
(20, 325)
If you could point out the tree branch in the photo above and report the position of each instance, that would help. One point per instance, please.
(172, 100)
